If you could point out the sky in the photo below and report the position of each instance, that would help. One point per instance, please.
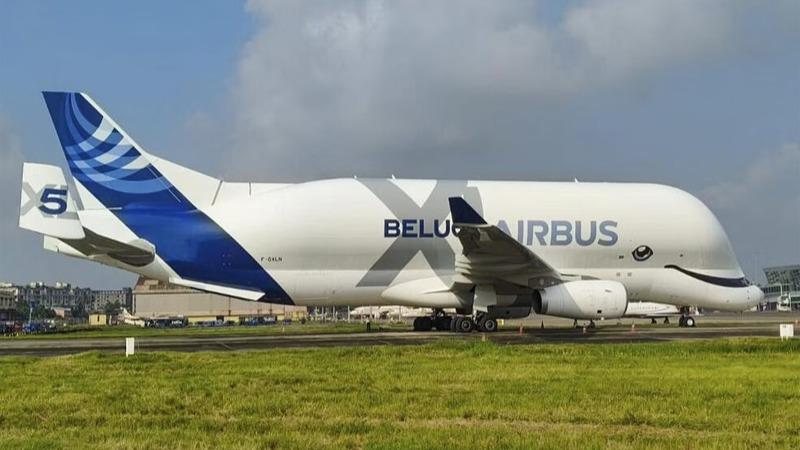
(699, 94)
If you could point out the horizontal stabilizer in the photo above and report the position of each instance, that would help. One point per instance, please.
(46, 206)
(136, 253)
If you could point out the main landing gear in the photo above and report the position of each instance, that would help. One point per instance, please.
(466, 324)
(456, 323)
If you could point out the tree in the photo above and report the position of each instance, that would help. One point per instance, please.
(22, 309)
(80, 310)
(112, 309)
(39, 311)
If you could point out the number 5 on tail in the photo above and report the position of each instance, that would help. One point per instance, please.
(45, 205)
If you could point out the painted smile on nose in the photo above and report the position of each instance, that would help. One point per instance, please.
(719, 281)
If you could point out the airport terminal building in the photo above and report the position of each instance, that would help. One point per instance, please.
(782, 291)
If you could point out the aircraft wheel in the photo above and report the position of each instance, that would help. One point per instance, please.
(479, 323)
(425, 323)
(416, 324)
(689, 322)
(682, 321)
(442, 323)
(465, 325)
(454, 323)
(489, 325)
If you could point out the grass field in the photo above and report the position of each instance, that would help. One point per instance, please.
(455, 394)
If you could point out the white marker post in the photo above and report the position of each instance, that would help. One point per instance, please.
(129, 346)
(787, 331)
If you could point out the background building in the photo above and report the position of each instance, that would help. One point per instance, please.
(62, 294)
(8, 302)
(153, 299)
(782, 291)
(102, 298)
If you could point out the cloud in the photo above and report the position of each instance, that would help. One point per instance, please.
(774, 171)
(621, 38)
(10, 175)
(760, 208)
(369, 85)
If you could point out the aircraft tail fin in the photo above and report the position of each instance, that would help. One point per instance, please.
(110, 169)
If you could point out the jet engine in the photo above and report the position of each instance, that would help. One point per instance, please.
(583, 299)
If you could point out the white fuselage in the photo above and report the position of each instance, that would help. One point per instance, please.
(328, 242)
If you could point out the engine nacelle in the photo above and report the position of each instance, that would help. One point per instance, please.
(583, 299)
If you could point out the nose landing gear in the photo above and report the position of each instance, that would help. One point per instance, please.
(686, 320)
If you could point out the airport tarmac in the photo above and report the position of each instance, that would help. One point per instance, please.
(717, 326)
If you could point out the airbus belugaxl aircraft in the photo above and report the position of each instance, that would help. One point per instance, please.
(487, 249)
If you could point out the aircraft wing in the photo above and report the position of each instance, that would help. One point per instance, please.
(490, 255)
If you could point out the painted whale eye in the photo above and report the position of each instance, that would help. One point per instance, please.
(642, 253)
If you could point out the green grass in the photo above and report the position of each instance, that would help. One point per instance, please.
(119, 331)
(454, 394)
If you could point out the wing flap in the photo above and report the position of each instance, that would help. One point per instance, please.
(489, 254)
